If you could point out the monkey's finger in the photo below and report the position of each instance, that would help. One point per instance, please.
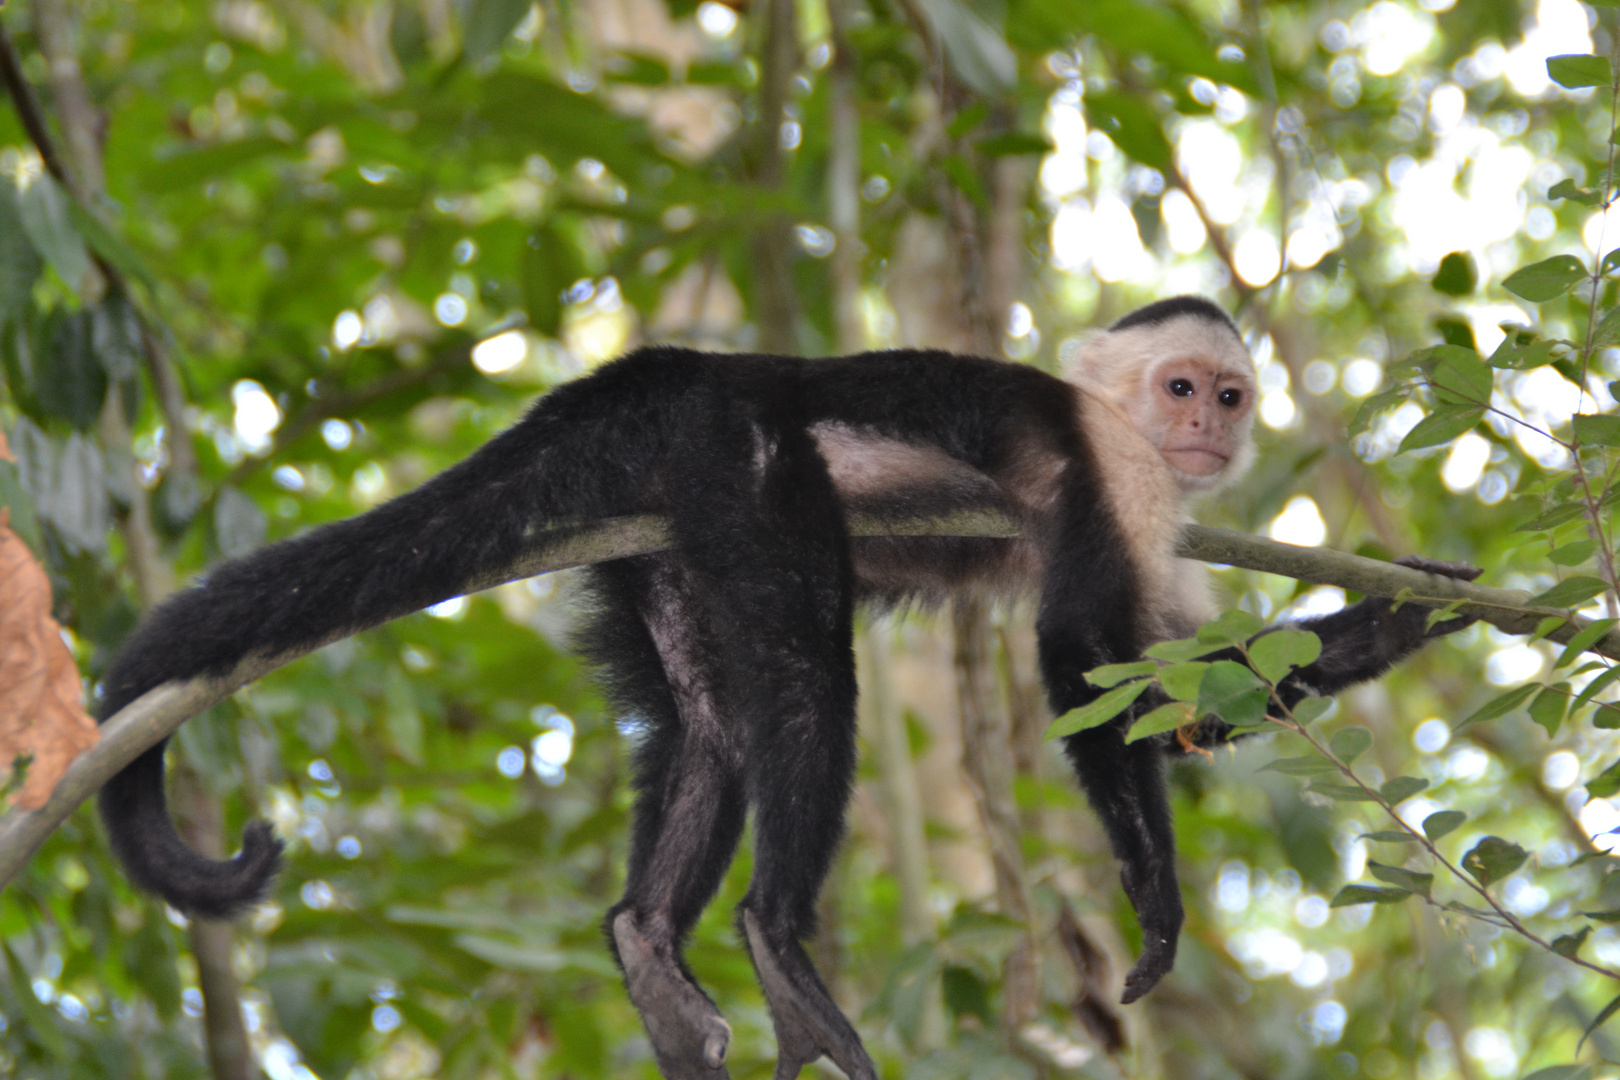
(1460, 571)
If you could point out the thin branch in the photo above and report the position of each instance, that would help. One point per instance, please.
(29, 112)
(165, 379)
(159, 713)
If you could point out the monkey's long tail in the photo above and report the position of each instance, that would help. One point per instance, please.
(414, 551)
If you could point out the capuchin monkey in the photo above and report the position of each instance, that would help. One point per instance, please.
(734, 647)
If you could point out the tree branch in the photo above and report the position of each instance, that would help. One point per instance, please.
(158, 713)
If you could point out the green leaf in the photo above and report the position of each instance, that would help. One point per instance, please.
(1493, 859)
(488, 22)
(1502, 704)
(1341, 792)
(1441, 822)
(1164, 718)
(1548, 707)
(1181, 681)
(1276, 654)
(1013, 143)
(1464, 374)
(1098, 712)
(1305, 765)
(1522, 357)
(1605, 783)
(1545, 627)
(1181, 650)
(967, 119)
(1610, 916)
(1440, 615)
(1234, 693)
(1410, 880)
(1233, 627)
(1563, 1072)
(964, 179)
(1455, 332)
(1566, 189)
(1553, 518)
(1596, 686)
(49, 224)
(1456, 276)
(1608, 1010)
(1402, 788)
(110, 246)
(1390, 836)
(1597, 430)
(1545, 280)
(549, 263)
(637, 69)
(1568, 945)
(1133, 124)
(1583, 640)
(1575, 70)
(19, 262)
(72, 383)
(1114, 674)
(1163, 32)
(1572, 554)
(1367, 894)
(1373, 406)
(1607, 331)
(1441, 426)
(1310, 709)
(41, 1024)
(1350, 743)
(1607, 716)
(1571, 592)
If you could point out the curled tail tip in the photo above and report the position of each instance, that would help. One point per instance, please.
(223, 888)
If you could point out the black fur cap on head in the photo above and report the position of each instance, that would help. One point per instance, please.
(1162, 311)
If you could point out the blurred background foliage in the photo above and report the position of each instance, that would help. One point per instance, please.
(290, 257)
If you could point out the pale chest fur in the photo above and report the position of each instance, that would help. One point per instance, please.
(1148, 505)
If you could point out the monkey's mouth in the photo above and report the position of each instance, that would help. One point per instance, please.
(1197, 460)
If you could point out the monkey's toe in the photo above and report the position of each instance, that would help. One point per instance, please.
(807, 1022)
(688, 1034)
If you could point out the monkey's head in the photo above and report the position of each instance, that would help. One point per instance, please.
(1180, 373)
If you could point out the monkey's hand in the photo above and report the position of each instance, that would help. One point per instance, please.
(1157, 899)
(1460, 571)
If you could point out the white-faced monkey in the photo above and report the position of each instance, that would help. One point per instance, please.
(734, 648)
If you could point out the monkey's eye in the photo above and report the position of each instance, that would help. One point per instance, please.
(1231, 398)
(1180, 387)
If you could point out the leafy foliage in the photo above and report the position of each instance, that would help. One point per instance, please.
(313, 213)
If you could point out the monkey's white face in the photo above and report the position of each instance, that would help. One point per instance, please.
(1198, 413)
(1186, 385)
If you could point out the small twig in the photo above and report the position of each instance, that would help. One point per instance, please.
(1503, 917)
(24, 100)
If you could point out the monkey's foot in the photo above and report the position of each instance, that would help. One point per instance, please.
(807, 1022)
(689, 1036)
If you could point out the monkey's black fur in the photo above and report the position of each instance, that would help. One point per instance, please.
(734, 649)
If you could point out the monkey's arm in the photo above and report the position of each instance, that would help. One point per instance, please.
(1365, 640)
(1090, 614)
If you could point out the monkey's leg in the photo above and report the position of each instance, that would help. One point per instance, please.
(690, 808)
(774, 557)
(1125, 785)
(801, 765)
